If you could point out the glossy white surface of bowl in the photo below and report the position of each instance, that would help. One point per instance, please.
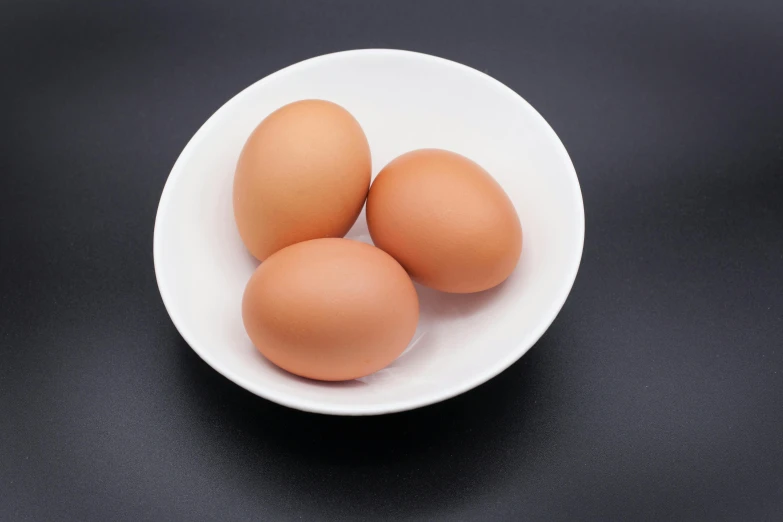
(404, 101)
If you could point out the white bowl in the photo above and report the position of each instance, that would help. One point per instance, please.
(404, 101)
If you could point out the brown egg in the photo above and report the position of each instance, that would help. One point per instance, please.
(446, 220)
(303, 174)
(330, 309)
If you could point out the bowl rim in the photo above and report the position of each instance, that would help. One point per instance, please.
(314, 406)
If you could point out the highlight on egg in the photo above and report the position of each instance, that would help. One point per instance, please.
(303, 174)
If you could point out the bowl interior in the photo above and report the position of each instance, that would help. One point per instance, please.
(403, 101)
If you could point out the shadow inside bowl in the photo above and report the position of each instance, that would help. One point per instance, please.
(453, 306)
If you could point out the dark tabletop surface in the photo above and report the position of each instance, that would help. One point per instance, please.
(657, 394)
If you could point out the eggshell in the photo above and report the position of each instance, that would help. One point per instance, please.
(446, 220)
(330, 309)
(303, 174)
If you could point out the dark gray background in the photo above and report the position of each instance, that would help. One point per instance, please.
(657, 394)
